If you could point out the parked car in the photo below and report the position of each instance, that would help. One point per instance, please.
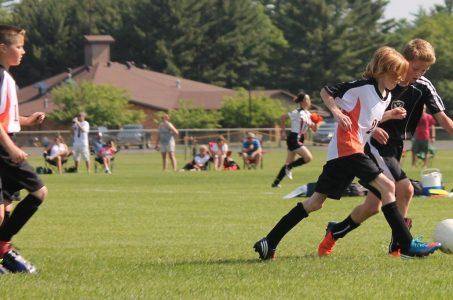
(133, 135)
(325, 132)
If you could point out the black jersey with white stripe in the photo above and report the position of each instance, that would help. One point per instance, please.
(411, 98)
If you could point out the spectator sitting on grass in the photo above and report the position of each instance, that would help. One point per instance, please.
(200, 161)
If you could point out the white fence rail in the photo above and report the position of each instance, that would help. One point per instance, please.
(146, 138)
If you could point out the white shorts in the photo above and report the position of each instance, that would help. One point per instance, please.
(169, 147)
(81, 151)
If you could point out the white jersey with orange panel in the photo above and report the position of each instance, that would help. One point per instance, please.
(300, 121)
(9, 107)
(365, 106)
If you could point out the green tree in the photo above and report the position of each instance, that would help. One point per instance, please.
(205, 40)
(104, 105)
(437, 28)
(5, 16)
(188, 116)
(328, 41)
(55, 32)
(265, 112)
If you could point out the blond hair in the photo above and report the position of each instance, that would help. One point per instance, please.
(9, 33)
(386, 60)
(418, 49)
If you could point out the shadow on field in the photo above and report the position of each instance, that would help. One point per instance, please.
(232, 261)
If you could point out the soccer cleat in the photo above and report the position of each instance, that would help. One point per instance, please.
(276, 185)
(419, 248)
(325, 248)
(15, 263)
(289, 173)
(3, 270)
(395, 253)
(262, 247)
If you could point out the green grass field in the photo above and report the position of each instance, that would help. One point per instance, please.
(142, 234)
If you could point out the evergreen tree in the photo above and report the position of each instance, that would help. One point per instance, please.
(55, 31)
(437, 28)
(328, 40)
(206, 40)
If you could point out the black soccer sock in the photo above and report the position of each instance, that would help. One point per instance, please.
(280, 175)
(298, 162)
(21, 214)
(394, 245)
(399, 227)
(5, 218)
(339, 230)
(286, 223)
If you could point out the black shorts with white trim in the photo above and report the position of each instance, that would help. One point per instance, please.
(338, 174)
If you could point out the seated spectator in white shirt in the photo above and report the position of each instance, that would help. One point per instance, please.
(200, 161)
(57, 153)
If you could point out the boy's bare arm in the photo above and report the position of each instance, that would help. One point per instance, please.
(343, 120)
(17, 155)
(34, 118)
(444, 121)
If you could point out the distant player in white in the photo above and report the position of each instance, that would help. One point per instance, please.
(300, 122)
(80, 146)
(358, 107)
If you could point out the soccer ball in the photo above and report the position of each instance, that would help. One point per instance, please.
(444, 234)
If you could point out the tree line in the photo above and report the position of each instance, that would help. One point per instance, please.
(267, 44)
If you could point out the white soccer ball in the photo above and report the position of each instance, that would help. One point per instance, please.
(444, 234)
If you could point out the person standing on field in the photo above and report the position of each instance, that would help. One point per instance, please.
(166, 141)
(80, 147)
(425, 134)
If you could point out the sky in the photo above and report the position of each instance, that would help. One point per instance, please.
(399, 9)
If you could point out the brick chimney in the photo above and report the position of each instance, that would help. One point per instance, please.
(97, 49)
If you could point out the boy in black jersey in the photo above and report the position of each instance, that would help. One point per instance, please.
(387, 142)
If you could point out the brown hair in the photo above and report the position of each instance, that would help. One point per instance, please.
(9, 33)
(300, 97)
(418, 49)
(385, 60)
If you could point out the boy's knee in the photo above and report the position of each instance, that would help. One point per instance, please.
(41, 194)
(313, 204)
(404, 190)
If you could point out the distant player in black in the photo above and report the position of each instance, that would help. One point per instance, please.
(387, 143)
(16, 174)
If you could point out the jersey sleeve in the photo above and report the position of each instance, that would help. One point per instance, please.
(344, 94)
(338, 90)
(431, 98)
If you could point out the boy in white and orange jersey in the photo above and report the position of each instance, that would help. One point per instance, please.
(16, 174)
(386, 144)
(358, 107)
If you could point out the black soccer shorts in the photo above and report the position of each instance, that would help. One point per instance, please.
(294, 141)
(338, 174)
(16, 177)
